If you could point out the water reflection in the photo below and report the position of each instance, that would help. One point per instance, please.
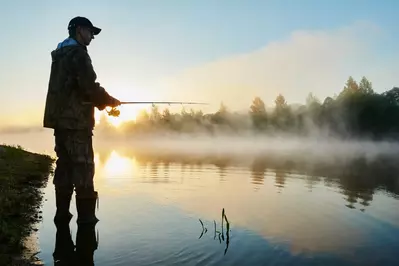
(118, 166)
(258, 170)
(310, 207)
(357, 180)
(67, 253)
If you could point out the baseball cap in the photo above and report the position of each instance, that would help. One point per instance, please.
(83, 22)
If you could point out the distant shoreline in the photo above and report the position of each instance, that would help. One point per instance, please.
(22, 175)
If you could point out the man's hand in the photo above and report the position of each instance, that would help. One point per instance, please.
(101, 107)
(114, 102)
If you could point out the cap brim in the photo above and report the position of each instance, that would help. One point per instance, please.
(96, 30)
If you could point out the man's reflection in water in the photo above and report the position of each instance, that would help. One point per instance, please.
(66, 253)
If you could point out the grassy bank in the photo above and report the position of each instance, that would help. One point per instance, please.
(22, 174)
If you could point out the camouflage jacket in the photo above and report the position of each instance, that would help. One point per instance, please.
(71, 87)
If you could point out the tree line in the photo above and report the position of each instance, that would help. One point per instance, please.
(356, 112)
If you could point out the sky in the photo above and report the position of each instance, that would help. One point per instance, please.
(212, 51)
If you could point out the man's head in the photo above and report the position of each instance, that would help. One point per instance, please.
(82, 30)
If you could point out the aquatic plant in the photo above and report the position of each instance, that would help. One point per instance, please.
(221, 234)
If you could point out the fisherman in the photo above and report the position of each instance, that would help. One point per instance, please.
(72, 95)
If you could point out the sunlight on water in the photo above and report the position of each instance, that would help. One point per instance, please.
(117, 166)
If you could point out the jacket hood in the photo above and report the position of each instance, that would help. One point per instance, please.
(64, 47)
(67, 42)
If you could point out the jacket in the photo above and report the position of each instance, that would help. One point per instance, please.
(73, 92)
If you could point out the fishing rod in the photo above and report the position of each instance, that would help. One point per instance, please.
(153, 103)
(115, 112)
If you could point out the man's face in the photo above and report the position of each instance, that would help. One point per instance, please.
(86, 35)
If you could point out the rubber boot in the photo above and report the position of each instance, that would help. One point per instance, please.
(63, 201)
(86, 244)
(86, 207)
(64, 251)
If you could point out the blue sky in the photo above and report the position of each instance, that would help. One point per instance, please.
(144, 43)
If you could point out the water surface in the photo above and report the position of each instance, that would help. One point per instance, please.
(280, 212)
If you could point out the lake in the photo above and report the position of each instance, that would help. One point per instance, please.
(319, 203)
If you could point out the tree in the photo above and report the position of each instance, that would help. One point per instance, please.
(196, 115)
(282, 116)
(166, 116)
(222, 109)
(312, 99)
(143, 116)
(258, 106)
(313, 107)
(351, 85)
(258, 113)
(357, 112)
(155, 114)
(365, 86)
(280, 102)
(392, 95)
(328, 101)
(220, 117)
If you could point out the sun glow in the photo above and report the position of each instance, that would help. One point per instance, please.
(127, 114)
(115, 121)
(118, 166)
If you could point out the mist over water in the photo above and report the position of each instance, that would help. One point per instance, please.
(285, 147)
(311, 149)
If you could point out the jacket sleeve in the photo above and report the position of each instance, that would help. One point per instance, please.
(86, 77)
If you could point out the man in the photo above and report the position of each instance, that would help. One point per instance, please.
(72, 95)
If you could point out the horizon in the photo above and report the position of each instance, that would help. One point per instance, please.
(220, 52)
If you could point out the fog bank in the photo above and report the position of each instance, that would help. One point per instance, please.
(314, 149)
(285, 147)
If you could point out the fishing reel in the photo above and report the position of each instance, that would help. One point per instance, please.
(113, 112)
